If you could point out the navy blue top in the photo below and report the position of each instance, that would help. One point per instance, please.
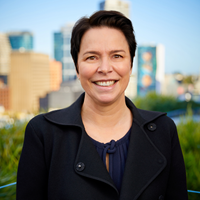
(117, 151)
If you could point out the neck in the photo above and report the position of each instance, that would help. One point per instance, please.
(104, 115)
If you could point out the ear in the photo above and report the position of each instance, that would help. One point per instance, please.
(131, 64)
(131, 67)
(77, 73)
(130, 72)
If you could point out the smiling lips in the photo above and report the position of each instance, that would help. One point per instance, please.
(105, 83)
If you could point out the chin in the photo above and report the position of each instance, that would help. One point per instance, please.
(107, 98)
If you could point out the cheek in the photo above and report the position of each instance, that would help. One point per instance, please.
(86, 72)
(125, 70)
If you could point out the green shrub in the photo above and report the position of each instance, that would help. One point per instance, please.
(11, 141)
(189, 136)
(162, 103)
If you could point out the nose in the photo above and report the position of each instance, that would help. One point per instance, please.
(105, 66)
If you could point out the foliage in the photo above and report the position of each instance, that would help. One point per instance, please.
(162, 103)
(11, 141)
(189, 136)
(188, 80)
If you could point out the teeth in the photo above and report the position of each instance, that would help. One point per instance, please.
(105, 83)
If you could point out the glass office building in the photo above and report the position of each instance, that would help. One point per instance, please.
(102, 5)
(21, 40)
(58, 44)
(62, 52)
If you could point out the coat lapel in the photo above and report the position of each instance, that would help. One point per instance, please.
(144, 161)
(93, 165)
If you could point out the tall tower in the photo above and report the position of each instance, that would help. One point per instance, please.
(117, 5)
(62, 52)
(21, 40)
(5, 51)
(150, 73)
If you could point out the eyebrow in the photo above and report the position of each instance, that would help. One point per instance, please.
(116, 51)
(97, 52)
(91, 52)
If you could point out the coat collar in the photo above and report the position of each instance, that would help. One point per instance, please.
(72, 114)
(68, 116)
(143, 159)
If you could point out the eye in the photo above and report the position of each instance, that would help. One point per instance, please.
(117, 56)
(91, 58)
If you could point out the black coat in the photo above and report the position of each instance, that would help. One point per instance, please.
(60, 162)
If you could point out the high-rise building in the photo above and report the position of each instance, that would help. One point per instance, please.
(21, 40)
(5, 51)
(55, 75)
(62, 52)
(151, 66)
(4, 95)
(58, 46)
(117, 5)
(29, 80)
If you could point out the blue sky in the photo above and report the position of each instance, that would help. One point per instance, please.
(173, 23)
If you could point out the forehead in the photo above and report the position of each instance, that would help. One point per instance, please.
(94, 30)
(103, 36)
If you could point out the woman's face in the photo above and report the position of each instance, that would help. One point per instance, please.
(104, 64)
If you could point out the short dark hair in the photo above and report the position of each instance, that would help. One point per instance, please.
(112, 19)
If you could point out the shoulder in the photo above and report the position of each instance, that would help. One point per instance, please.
(164, 128)
(66, 116)
(144, 117)
(155, 115)
(36, 122)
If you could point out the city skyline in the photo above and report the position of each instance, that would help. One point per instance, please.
(171, 23)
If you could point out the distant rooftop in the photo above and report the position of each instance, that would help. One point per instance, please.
(19, 33)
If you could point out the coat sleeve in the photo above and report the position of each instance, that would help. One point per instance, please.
(176, 188)
(32, 172)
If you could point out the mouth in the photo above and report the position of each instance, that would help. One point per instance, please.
(105, 83)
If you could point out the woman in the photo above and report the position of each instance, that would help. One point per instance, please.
(102, 147)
